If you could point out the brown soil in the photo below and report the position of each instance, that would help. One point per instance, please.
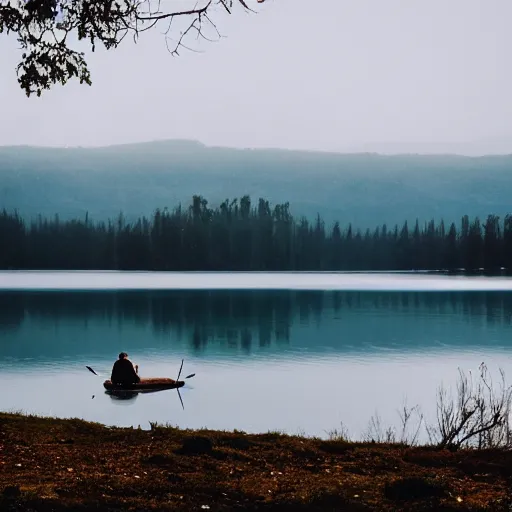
(70, 465)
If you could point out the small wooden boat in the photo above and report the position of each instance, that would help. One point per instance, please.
(153, 384)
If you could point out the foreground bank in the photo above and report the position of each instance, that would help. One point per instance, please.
(64, 465)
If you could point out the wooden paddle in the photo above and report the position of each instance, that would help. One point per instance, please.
(91, 370)
(187, 377)
(178, 389)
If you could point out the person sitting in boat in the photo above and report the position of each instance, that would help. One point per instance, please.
(123, 371)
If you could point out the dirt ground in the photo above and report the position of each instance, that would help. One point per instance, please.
(70, 465)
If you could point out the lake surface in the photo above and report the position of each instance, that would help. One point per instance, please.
(294, 352)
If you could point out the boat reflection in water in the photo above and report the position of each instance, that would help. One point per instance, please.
(123, 397)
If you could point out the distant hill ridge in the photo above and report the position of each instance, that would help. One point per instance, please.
(365, 189)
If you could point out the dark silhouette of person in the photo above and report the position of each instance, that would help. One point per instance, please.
(123, 372)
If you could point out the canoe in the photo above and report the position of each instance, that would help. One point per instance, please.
(157, 383)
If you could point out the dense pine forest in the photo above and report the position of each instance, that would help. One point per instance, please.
(238, 236)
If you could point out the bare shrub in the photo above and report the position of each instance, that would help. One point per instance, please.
(339, 434)
(376, 433)
(478, 417)
(410, 432)
(411, 419)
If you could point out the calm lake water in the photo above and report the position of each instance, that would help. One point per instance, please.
(294, 352)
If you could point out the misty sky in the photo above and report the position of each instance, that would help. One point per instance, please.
(337, 75)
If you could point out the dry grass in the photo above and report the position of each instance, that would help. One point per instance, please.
(70, 465)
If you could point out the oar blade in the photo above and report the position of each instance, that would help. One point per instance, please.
(181, 367)
(91, 370)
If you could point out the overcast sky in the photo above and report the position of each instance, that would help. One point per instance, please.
(336, 75)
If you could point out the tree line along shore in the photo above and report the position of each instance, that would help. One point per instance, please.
(240, 236)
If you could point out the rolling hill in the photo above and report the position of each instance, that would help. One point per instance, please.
(366, 189)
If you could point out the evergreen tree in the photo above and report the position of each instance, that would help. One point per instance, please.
(236, 236)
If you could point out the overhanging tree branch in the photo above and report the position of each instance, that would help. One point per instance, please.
(42, 28)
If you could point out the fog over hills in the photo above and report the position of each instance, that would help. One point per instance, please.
(365, 189)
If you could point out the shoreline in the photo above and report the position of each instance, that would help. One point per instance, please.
(66, 281)
(70, 464)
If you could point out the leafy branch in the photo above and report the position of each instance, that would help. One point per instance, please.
(42, 28)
